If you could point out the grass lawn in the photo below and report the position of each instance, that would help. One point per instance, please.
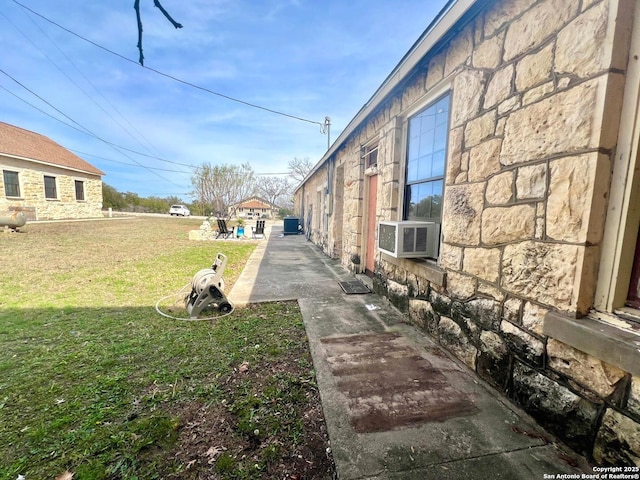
(95, 383)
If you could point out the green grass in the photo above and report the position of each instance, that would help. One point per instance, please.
(95, 382)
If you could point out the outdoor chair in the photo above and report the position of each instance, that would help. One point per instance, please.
(223, 230)
(258, 230)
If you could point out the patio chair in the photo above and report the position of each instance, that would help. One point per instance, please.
(223, 230)
(258, 230)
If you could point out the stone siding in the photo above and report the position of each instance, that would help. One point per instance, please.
(535, 105)
(65, 205)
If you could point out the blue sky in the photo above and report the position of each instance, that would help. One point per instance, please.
(304, 58)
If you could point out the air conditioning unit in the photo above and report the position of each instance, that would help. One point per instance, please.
(409, 239)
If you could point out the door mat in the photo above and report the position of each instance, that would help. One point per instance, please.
(353, 287)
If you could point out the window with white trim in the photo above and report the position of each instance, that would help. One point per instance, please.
(425, 162)
(11, 183)
(50, 190)
(79, 184)
(370, 154)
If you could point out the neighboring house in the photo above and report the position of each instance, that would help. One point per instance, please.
(45, 180)
(253, 207)
(510, 131)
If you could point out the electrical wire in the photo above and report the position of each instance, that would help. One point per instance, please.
(89, 132)
(166, 75)
(93, 135)
(259, 174)
(125, 163)
(86, 94)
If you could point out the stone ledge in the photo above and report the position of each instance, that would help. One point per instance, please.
(421, 267)
(604, 341)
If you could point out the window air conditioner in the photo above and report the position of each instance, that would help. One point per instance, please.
(409, 239)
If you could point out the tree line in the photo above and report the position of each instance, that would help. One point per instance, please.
(216, 189)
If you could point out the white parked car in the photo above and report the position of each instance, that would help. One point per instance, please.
(179, 210)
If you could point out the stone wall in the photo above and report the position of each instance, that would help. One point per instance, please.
(66, 205)
(536, 91)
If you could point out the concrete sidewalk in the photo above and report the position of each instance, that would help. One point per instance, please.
(397, 406)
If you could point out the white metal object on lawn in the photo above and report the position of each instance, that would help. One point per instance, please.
(207, 289)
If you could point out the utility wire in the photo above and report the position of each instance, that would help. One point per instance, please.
(184, 82)
(126, 163)
(126, 130)
(259, 174)
(84, 132)
(83, 127)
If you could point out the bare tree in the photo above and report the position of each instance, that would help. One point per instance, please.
(157, 4)
(299, 168)
(222, 186)
(273, 189)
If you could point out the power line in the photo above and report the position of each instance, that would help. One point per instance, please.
(111, 144)
(184, 82)
(259, 174)
(125, 163)
(126, 130)
(86, 94)
(83, 127)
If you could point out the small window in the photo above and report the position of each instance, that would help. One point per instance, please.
(79, 190)
(426, 154)
(50, 187)
(371, 156)
(11, 183)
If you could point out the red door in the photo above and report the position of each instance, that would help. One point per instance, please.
(371, 224)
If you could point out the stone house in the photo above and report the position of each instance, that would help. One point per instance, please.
(253, 207)
(510, 133)
(45, 180)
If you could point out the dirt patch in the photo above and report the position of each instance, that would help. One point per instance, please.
(268, 423)
(389, 385)
(215, 442)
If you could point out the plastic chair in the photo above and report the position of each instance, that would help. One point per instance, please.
(258, 229)
(223, 230)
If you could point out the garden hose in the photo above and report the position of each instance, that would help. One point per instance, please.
(180, 294)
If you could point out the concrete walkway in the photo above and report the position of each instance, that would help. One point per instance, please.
(397, 406)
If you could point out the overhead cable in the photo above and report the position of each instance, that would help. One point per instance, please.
(184, 82)
(126, 130)
(82, 130)
(83, 127)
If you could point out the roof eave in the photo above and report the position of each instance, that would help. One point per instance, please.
(97, 172)
(448, 17)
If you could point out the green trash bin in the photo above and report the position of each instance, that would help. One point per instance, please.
(291, 225)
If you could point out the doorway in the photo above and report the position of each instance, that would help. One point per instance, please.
(339, 212)
(370, 250)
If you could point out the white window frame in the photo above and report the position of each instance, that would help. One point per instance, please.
(55, 186)
(623, 212)
(606, 333)
(427, 100)
(77, 181)
(4, 185)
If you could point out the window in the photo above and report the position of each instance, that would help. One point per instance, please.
(79, 190)
(371, 156)
(11, 183)
(618, 285)
(50, 187)
(426, 154)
